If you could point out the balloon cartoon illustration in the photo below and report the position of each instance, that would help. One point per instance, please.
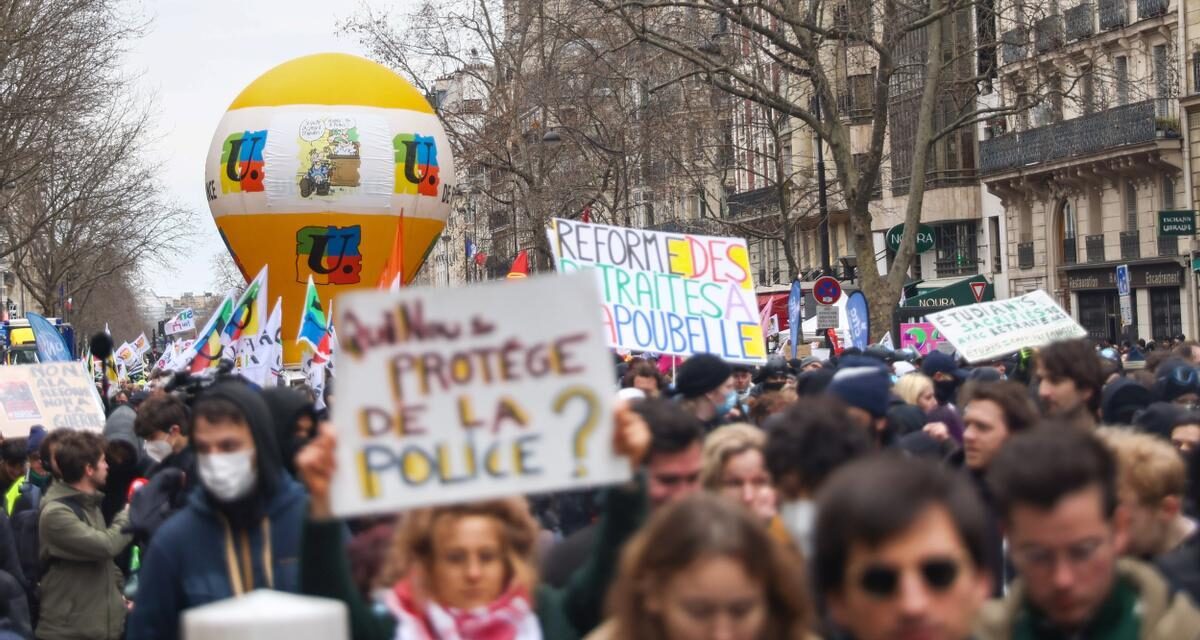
(316, 167)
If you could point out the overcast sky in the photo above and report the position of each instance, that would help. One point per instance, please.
(195, 58)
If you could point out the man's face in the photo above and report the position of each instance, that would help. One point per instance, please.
(984, 431)
(36, 466)
(1067, 555)
(920, 583)
(97, 475)
(13, 470)
(741, 381)
(1149, 524)
(1059, 395)
(674, 475)
(1186, 437)
(646, 384)
(225, 436)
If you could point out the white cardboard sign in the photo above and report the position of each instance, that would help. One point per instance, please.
(453, 395)
(990, 330)
(54, 395)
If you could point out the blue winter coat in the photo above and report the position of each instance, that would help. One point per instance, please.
(186, 565)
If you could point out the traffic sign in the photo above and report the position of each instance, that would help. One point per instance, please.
(827, 290)
(977, 289)
(828, 317)
(1122, 279)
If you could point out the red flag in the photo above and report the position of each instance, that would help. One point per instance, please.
(587, 214)
(480, 258)
(520, 266)
(394, 267)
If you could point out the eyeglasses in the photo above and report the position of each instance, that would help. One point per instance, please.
(1045, 559)
(882, 581)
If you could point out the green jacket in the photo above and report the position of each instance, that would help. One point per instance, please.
(81, 586)
(564, 614)
(1152, 613)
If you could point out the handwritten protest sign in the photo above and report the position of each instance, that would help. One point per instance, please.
(672, 293)
(920, 336)
(54, 395)
(991, 330)
(464, 394)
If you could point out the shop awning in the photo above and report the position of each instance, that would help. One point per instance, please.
(967, 291)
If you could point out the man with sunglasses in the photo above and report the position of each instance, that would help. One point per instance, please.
(1056, 490)
(900, 550)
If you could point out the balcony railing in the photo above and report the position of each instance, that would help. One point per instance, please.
(1025, 255)
(1081, 21)
(935, 180)
(1113, 14)
(1168, 245)
(1129, 124)
(1095, 247)
(1012, 45)
(1131, 247)
(1070, 254)
(1151, 8)
(1048, 34)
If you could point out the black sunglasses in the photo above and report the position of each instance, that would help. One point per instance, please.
(882, 581)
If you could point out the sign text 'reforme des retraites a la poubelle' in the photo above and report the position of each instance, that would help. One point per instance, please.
(666, 292)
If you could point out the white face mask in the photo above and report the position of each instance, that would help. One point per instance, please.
(799, 518)
(158, 449)
(228, 476)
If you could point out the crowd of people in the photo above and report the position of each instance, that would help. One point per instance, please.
(873, 495)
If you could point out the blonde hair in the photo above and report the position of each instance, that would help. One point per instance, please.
(725, 443)
(411, 553)
(910, 386)
(1146, 465)
(701, 527)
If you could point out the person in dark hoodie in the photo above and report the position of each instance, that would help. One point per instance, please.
(295, 422)
(241, 528)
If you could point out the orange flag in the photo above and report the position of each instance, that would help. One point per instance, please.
(520, 266)
(393, 269)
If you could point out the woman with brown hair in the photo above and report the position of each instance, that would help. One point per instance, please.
(467, 571)
(705, 568)
(734, 467)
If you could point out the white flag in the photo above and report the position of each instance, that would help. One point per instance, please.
(256, 354)
(314, 373)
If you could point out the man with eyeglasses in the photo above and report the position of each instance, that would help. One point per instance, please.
(900, 550)
(1056, 489)
(672, 470)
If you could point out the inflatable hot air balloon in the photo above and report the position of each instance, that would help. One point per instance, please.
(317, 168)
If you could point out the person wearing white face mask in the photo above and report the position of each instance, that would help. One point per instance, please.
(704, 386)
(161, 423)
(240, 530)
(805, 444)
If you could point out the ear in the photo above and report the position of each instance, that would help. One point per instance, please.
(837, 609)
(1170, 507)
(1120, 528)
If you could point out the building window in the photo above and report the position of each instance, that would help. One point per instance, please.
(1025, 222)
(1095, 213)
(1131, 214)
(1166, 315)
(833, 242)
(1168, 192)
(1087, 91)
(1121, 71)
(995, 243)
(1162, 78)
(957, 249)
(862, 95)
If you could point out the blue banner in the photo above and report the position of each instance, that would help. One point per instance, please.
(50, 344)
(859, 320)
(795, 306)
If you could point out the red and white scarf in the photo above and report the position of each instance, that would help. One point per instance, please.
(508, 618)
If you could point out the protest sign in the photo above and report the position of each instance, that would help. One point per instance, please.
(672, 293)
(127, 354)
(183, 321)
(466, 394)
(990, 330)
(142, 344)
(54, 395)
(919, 336)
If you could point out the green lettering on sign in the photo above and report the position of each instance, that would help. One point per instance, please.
(924, 237)
(1177, 223)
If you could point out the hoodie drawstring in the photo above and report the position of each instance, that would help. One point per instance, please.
(241, 575)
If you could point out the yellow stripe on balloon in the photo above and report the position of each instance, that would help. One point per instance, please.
(332, 79)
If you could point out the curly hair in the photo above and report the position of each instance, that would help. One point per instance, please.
(412, 545)
(704, 526)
